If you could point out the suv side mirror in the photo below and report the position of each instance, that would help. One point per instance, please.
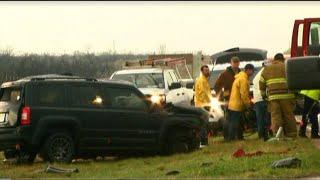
(189, 85)
(175, 85)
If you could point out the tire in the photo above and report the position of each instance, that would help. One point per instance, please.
(179, 142)
(26, 157)
(21, 156)
(9, 154)
(195, 143)
(59, 147)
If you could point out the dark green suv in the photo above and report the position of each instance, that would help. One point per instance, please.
(63, 117)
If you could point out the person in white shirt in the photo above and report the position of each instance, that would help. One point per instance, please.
(260, 106)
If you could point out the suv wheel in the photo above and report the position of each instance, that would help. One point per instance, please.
(59, 147)
(21, 156)
(26, 157)
(178, 143)
(9, 154)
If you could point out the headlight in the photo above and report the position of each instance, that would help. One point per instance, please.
(158, 99)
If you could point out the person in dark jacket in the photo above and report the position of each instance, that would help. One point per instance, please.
(226, 78)
(223, 87)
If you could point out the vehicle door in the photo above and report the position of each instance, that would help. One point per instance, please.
(113, 118)
(311, 37)
(182, 95)
(88, 104)
(133, 126)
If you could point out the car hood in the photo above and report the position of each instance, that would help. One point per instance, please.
(188, 110)
(152, 91)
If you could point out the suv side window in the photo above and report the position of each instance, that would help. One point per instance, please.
(48, 95)
(88, 97)
(10, 95)
(121, 98)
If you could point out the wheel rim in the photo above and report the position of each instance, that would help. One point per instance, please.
(60, 149)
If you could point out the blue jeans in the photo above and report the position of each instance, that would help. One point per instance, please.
(234, 128)
(262, 118)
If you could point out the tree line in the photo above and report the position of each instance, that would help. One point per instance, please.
(13, 67)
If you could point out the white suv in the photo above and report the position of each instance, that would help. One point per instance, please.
(160, 84)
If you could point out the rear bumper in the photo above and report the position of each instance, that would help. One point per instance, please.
(9, 138)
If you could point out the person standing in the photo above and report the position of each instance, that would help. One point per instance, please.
(260, 107)
(239, 102)
(202, 88)
(226, 78)
(310, 111)
(281, 102)
(223, 87)
(203, 97)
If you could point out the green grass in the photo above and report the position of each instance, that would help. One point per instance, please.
(189, 165)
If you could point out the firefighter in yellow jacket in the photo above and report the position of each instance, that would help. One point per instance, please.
(281, 103)
(239, 101)
(202, 88)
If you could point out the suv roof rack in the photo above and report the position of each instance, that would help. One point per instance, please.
(53, 76)
(62, 78)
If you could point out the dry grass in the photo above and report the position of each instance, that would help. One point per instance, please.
(218, 155)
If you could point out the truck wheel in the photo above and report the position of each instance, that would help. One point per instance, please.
(59, 147)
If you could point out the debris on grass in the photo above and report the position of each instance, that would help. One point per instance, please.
(206, 164)
(51, 169)
(173, 172)
(242, 153)
(291, 162)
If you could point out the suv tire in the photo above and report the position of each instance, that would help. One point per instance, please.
(26, 157)
(179, 142)
(59, 147)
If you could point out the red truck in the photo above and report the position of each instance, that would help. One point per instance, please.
(306, 37)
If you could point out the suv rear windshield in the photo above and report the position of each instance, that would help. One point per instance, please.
(12, 95)
(142, 80)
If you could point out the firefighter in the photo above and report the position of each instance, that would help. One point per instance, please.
(281, 102)
(239, 102)
(310, 111)
(203, 98)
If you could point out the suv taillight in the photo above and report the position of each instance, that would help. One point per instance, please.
(25, 116)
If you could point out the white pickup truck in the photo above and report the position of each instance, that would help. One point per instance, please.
(160, 84)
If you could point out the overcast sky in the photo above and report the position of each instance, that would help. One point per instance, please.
(141, 27)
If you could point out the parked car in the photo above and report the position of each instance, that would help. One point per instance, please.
(64, 117)
(159, 84)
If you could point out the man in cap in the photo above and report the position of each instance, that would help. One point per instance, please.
(239, 102)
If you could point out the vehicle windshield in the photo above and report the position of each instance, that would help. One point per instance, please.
(142, 80)
(215, 74)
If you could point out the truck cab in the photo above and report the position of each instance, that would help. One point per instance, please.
(306, 37)
(161, 85)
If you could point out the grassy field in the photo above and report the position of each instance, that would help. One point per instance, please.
(218, 154)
